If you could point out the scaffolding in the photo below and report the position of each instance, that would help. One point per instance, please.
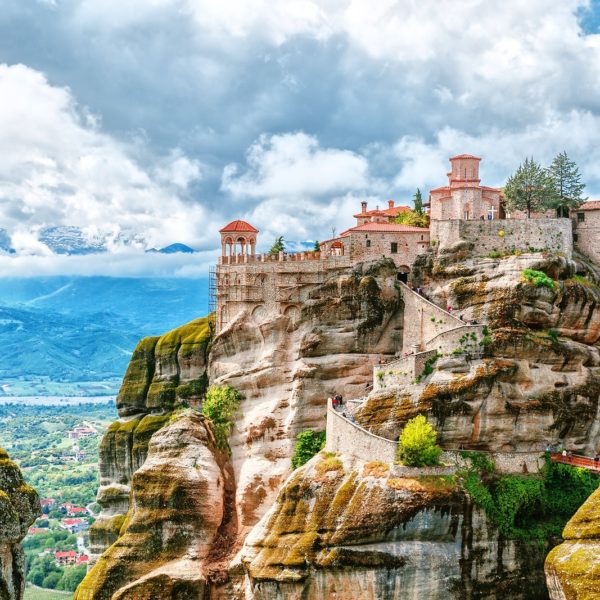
(212, 294)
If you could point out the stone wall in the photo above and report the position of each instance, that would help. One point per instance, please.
(402, 371)
(505, 235)
(409, 245)
(268, 285)
(425, 320)
(448, 341)
(348, 438)
(506, 462)
(588, 233)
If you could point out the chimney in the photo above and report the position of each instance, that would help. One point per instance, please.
(363, 206)
(390, 204)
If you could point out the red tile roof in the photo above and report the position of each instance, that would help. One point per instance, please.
(238, 226)
(84, 558)
(66, 554)
(391, 227)
(459, 156)
(70, 522)
(590, 205)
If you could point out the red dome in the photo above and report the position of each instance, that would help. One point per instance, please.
(238, 227)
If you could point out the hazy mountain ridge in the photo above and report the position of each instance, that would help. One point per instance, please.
(71, 329)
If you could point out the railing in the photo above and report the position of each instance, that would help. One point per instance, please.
(432, 304)
(576, 461)
(241, 259)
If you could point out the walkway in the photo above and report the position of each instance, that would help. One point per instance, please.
(576, 461)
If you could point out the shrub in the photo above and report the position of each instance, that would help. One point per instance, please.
(418, 446)
(553, 335)
(219, 406)
(308, 443)
(538, 278)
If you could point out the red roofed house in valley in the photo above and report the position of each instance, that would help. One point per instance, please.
(464, 197)
(84, 559)
(65, 558)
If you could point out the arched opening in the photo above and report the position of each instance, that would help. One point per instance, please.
(402, 274)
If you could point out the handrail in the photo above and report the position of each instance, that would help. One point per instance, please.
(430, 302)
(356, 425)
(463, 326)
(576, 460)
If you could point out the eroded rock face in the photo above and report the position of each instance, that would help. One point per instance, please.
(349, 530)
(540, 381)
(19, 507)
(163, 371)
(573, 567)
(285, 370)
(178, 523)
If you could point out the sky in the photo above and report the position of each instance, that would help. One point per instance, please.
(162, 120)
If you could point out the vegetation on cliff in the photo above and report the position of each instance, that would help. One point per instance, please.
(219, 406)
(528, 507)
(308, 443)
(418, 447)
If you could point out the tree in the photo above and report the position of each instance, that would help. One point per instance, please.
(317, 248)
(529, 189)
(51, 580)
(417, 447)
(219, 406)
(418, 201)
(566, 182)
(72, 577)
(412, 218)
(308, 443)
(278, 246)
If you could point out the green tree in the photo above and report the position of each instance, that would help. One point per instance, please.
(51, 580)
(317, 248)
(418, 201)
(72, 577)
(219, 406)
(412, 218)
(567, 185)
(308, 443)
(278, 246)
(529, 189)
(418, 446)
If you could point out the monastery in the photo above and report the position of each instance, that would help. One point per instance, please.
(462, 213)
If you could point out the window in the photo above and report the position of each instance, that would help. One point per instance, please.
(574, 237)
(580, 217)
(394, 249)
(368, 243)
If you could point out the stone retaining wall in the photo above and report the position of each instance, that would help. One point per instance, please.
(402, 371)
(504, 235)
(348, 438)
(448, 341)
(423, 320)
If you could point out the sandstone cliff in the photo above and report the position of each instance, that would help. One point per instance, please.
(19, 507)
(337, 527)
(573, 568)
(352, 530)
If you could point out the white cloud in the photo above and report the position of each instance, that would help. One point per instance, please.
(59, 168)
(294, 165)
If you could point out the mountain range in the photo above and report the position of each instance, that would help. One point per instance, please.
(62, 330)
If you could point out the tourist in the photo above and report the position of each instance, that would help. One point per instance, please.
(564, 452)
(449, 309)
(596, 459)
(334, 402)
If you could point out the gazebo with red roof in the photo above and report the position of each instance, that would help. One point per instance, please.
(238, 238)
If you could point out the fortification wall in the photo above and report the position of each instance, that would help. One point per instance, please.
(265, 284)
(588, 234)
(504, 235)
(425, 320)
(348, 438)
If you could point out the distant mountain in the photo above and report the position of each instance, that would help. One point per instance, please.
(72, 329)
(174, 249)
(5, 247)
(70, 240)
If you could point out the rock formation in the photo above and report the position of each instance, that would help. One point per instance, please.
(19, 507)
(573, 567)
(353, 530)
(175, 511)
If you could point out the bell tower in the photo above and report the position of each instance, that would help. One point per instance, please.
(465, 171)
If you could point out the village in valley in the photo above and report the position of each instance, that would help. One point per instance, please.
(57, 449)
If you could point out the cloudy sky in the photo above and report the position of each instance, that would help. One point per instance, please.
(168, 118)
